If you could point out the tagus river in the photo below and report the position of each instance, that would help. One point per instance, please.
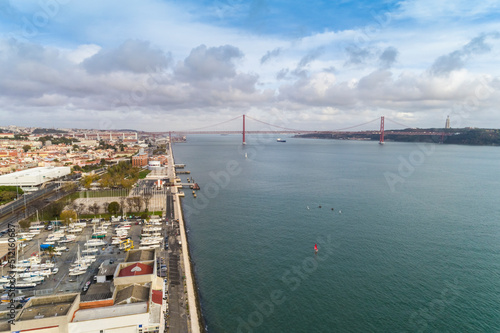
(408, 235)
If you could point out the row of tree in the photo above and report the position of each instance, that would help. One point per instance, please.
(9, 193)
(122, 175)
(125, 204)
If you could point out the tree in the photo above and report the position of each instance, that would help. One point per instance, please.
(122, 203)
(67, 216)
(130, 202)
(138, 203)
(25, 224)
(147, 196)
(87, 181)
(128, 183)
(55, 209)
(95, 208)
(114, 208)
(105, 206)
(69, 187)
(50, 251)
(81, 208)
(26, 148)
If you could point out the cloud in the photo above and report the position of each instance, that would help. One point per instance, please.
(312, 55)
(135, 56)
(457, 59)
(388, 57)
(270, 54)
(282, 74)
(356, 55)
(431, 10)
(208, 63)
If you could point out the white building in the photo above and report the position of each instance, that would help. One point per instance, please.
(131, 303)
(31, 178)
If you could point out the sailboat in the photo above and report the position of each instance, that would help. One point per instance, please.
(316, 248)
(81, 268)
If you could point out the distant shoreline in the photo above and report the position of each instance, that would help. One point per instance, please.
(460, 136)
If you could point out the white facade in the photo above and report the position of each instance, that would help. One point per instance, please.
(34, 176)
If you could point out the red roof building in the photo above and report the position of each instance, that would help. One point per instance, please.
(157, 296)
(136, 269)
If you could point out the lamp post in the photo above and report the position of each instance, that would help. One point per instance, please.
(17, 188)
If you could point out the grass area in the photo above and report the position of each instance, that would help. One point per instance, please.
(143, 174)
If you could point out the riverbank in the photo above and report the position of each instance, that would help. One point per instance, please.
(193, 304)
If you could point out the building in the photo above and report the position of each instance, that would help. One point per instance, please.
(131, 302)
(140, 160)
(31, 179)
(447, 124)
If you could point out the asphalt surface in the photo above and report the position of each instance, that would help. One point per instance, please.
(176, 301)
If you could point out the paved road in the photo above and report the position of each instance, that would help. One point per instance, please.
(176, 302)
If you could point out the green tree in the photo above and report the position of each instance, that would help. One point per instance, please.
(88, 180)
(51, 252)
(55, 209)
(114, 208)
(26, 148)
(25, 224)
(67, 216)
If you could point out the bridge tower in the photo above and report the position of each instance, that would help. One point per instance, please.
(381, 130)
(244, 142)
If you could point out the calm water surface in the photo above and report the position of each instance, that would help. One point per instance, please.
(412, 243)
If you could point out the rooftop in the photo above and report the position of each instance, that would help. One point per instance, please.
(132, 293)
(140, 255)
(49, 306)
(98, 291)
(136, 269)
(107, 269)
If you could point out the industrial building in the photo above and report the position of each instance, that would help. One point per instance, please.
(32, 179)
(132, 302)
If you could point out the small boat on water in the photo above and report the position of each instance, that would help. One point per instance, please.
(280, 140)
(316, 248)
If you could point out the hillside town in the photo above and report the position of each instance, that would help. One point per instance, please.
(22, 148)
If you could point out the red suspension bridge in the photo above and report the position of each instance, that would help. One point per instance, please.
(275, 129)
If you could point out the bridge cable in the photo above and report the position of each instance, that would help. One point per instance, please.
(213, 125)
(405, 126)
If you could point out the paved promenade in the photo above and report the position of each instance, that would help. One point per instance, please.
(185, 260)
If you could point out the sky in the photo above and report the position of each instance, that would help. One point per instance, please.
(318, 65)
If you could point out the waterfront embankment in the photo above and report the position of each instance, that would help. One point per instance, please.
(192, 301)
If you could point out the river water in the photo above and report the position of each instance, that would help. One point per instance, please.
(408, 235)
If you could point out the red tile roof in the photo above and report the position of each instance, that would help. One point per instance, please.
(157, 296)
(136, 269)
